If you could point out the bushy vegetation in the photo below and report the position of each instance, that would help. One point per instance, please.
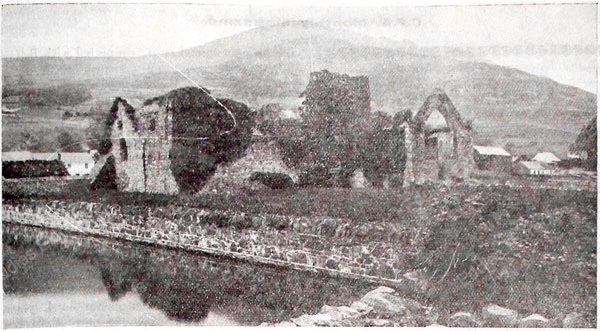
(587, 141)
(204, 134)
(33, 168)
(273, 180)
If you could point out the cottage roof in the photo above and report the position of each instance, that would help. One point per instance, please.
(546, 157)
(491, 150)
(28, 156)
(76, 158)
(533, 165)
(16, 156)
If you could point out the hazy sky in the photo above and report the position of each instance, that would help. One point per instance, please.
(558, 41)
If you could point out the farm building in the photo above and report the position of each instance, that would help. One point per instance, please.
(534, 168)
(546, 158)
(77, 164)
(492, 158)
(439, 149)
(261, 160)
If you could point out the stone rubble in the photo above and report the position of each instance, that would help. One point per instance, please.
(385, 307)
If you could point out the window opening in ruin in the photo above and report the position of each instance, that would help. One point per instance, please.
(86, 165)
(431, 142)
(436, 121)
(120, 124)
(123, 148)
(152, 126)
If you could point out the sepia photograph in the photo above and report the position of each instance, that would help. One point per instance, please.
(262, 164)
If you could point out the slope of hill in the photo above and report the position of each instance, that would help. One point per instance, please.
(507, 106)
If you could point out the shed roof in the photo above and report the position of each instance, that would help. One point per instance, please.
(490, 150)
(28, 156)
(76, 158)
(545, 157)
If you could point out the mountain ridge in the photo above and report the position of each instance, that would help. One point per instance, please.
(509, 107)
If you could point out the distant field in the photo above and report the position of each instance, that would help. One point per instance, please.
(44, 125)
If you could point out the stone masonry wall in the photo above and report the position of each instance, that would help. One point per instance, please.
(262, 156)
(157, 128)
(141, 150)
(451, 156)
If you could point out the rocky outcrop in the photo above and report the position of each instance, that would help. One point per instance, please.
(380, 307)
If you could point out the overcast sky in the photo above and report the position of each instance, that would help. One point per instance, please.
(558, 41)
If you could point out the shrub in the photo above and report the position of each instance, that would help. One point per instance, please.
(33, 168)
(273, 180)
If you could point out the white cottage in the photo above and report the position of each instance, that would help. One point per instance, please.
(534, 168)
(77, 164)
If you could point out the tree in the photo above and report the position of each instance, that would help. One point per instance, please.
(30, 142)
(66, 143)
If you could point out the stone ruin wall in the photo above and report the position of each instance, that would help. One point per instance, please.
(157, 126)
(452, 157)
(141, 150)
(262, 156)
(352, 93)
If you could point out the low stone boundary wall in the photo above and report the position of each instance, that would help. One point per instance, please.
(318, 245)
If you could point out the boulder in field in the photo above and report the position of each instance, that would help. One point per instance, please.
(361, 307)
(574, 320)
(332, 263)
(463, 320)
(339, 313)
(534, 321)
(496, 316)
(387, 304)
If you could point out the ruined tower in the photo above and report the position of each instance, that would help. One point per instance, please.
(141, 141)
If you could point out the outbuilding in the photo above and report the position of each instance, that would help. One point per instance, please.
(534, 168)
(492, 158)
(546, 158)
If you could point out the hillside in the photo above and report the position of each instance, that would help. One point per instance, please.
(507, 106)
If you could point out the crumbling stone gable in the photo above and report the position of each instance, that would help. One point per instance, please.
(263, 156)
(174, 141)
(141, 141)
(442, 154)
